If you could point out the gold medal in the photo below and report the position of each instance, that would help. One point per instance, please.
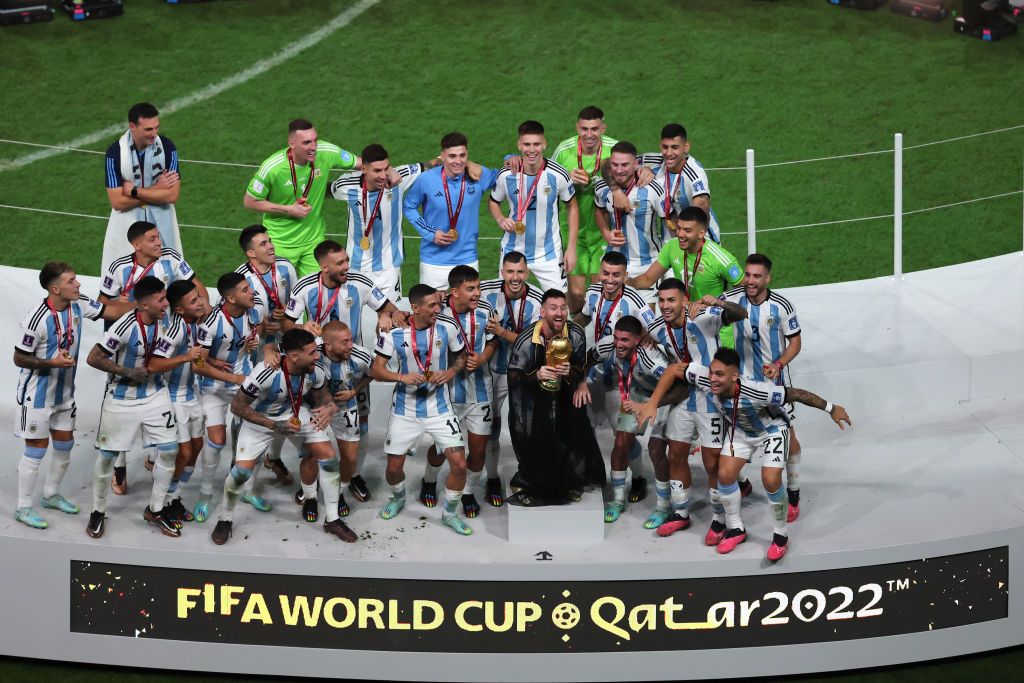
(295, 422)
(427, 374)
(66, 355)
(520, 227)
(198, 362)
(364, 243)
(453, 233)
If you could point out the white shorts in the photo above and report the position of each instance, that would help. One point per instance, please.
(36, 423)
(650, 294)
(254, 439)
(626, 422)
(550, 274)
(345, 424)
(774, 448)
(475, 418)
(437, 276)
(121, 422)
(405, 432)
(388, 281)
(189, 416)
(683, 424)
(217, 405)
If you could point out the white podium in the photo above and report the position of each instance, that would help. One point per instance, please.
(554, 525)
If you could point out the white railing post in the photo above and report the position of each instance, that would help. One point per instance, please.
(897, 208)
(751, 204)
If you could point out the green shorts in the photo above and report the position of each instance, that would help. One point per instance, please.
(301, 258)
(588, 256)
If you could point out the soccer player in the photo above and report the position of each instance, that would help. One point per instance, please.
(335, 293)
(756, 422)
(688, 331)
(149, 257)
(143, 182)
(270, 404)
(638, 233)
(348, 375)
(583, 154)
(516, 305)
(375, 218)
(289, 189)
(429, 355)
(230, 335)
(47, 354)
(767, 342)
(271, 277)
(443, 205)
(470, 388)
(636, 371)
(135, 402)
(682, 176)
(533, 194)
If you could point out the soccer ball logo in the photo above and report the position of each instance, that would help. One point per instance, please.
(565, 615)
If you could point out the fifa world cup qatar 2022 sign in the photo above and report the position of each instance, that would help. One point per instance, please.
(539, 616)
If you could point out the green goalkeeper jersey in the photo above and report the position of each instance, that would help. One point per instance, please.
(273, 182)
(566, 155)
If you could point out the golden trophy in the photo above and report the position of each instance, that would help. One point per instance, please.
(557, 351)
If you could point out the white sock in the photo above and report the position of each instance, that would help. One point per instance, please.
(731, 501)
(59, 461)
(779, 504)
(329, 484)
(619, 486)
(28, 472)
(163, 472)
(473, 480)
(210, 459)
(102, 470)
(662, 489)
(233, 485)
(717, 509)
(451, 501)
(308, 490)
(680, 498)
(430, 473)
(398, 490)
(793, 471)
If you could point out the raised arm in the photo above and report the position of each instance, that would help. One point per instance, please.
(836, 412)
(653, 273)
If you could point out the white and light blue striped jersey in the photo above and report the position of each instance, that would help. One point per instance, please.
(43, 336)
(605, 313)
(760, 411)
(700, 341)
(123, 274)
(177, 337)
(642, 227)
(515, 315)
(386, 249)
(321, 304)
(542, 240)
(269, 390)
(471, 387)
(425, 400)
(278, 282)
(694, 183)
(225, 338)
(344, 375)
(763, 336)
(648, 365)
(130, 342)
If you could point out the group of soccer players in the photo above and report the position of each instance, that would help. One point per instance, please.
(699, 355)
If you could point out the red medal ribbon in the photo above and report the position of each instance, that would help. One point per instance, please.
(599, 328)
(686, 267)
(579, 154)
(453, 218)
(525, 205)
(620, 216)
(683, 355)
(330, 302)
(670, 192)
(425, 365)
(271, 290)
(147, 346)
(510, 311)
(295, 180)
(368, 222)
(132, 280)
(626, 379)
(66, 338)
(471, 339)
(294, 397)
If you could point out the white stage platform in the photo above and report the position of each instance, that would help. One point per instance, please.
(929, 368)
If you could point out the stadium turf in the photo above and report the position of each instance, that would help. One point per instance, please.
(792, 79)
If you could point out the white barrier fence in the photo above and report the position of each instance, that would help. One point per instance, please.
(750, 167)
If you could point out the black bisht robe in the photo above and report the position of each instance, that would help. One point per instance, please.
(554, 441)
